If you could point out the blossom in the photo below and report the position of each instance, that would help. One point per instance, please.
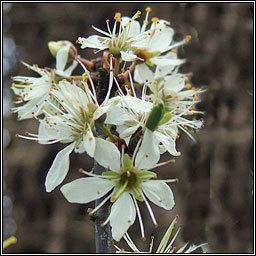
(133, 42)
(70, 119)
(35, 90)
(163, 247)
(176, 93)
(128, 180)
(131, 114)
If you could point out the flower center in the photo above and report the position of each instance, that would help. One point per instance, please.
(129, 179)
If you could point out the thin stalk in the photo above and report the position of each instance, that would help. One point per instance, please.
(103, 235)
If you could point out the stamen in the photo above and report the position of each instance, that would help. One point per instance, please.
(132, 86)
(90, 79)
(150, 210)
(140, 218)
(151, 244)
(110, 84)
(188, 38)
(99, 205)
(129, 241)
(164, 163)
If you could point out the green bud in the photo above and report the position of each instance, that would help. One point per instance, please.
(155, 116)
(54, 46)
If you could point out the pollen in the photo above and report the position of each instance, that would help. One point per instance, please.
(90, 138)
(188, 38)
(155, 19)
(117, 16)
(189, 86)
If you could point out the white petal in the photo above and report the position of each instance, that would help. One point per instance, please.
(128, 56)
(122, 215)
(107, 154)
(165, 62)
(71, 68)
(142, 73)
(159, 193)
(59, 168)
(117, 116)
(62, 57)
(168, 143)
(140, 106)
(134, 26)
(161, 40)
(94, 42)
(174, 82)
(148, 154)
(89, 142)
(129, 131)
(85, 190)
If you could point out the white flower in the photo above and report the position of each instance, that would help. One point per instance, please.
(163, 247)
(178, 96)
(128, 180)
(131, 114)
(133, 42)
(35, 90)
(118, 42)
(70, 119)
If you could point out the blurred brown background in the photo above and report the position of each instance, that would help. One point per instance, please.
(214, 196)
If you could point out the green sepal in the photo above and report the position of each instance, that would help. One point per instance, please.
(155, 116)
(110, 173)
(130, 123)
(149, 175)
(166, 117)
(137, 195)
(127, 162)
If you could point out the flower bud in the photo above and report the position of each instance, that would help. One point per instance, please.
(55, 46)
(155, 116)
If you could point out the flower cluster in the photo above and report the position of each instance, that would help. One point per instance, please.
(126, 110)
(166, 244)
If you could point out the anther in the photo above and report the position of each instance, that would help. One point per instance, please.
(143, 238)
(188, 38)
(156, 225)
(148, 9)
(117, 16)
(26, 132)
(155, 19)
(188, 85)
(177, 216)
(16, 135)
(174, 51)
(81, 170)
(177, 180)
